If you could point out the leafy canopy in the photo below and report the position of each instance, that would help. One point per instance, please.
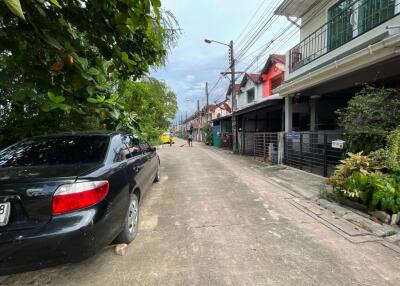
(61, 61)
(154, 104)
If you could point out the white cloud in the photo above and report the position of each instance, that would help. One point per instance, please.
(189, 77)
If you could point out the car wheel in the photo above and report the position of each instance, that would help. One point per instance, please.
(131, 226)
(158, 174)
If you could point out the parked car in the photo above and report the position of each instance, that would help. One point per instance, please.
(64, 197)
(166, 138)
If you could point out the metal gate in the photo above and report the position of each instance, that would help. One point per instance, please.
(312, 152)
(265, 147)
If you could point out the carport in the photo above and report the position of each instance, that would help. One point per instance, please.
(264, 117)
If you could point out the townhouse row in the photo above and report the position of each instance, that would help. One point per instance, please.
(286, 113)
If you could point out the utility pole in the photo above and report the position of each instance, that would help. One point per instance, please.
(233, 92)
(234, 123)
(207, 95)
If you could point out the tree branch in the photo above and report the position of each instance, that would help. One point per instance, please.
(41, 36)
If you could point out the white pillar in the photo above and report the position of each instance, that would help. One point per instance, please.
(288, 114)
(313, 112)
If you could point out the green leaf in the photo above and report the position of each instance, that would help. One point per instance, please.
(59, 99)
(54, 98)
(101, 98)
(82, 61)
(55, 2)
(51, 96)
(64, 107)
(114, 97)
(93, 71)
(15, 7)
(92, 100)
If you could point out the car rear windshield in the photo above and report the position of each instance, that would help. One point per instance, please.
(63, 150)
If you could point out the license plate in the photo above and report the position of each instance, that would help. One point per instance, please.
(4, 213)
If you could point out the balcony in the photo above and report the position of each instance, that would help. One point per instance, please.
(347, 20)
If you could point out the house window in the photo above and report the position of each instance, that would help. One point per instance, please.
(374, 12)
(250, 95)
(349, 18)
(340, 28)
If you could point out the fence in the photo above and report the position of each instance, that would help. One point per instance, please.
(266, 147)
(312, 152)
(308, 151)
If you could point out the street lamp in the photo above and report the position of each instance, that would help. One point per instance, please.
(208, 41)
(232, 66)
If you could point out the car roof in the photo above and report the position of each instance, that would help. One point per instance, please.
(105, 133)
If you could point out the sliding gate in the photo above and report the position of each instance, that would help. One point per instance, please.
(312, 152)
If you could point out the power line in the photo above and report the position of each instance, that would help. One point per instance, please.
(250, 20)
(288, 37)
(266, 21)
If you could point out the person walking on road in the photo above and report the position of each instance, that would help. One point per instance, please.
(190, 140)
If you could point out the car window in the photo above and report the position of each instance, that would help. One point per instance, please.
(121, 152)
(63, 150)
(145, 147)
(133, 146)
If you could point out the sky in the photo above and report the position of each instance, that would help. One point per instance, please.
(192, 62)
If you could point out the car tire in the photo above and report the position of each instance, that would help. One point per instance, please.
(131, 225)
(158, 174)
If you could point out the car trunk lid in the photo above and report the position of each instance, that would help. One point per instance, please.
(30, 190)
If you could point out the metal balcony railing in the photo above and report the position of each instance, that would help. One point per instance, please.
(348, 19)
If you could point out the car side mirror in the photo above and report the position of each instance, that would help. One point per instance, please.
(153, 149)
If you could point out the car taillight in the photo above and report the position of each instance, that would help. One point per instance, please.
(77, 196)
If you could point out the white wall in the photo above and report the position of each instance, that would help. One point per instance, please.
(315, 18)
(242, 97)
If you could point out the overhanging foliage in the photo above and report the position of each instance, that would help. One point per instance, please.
(61, 62)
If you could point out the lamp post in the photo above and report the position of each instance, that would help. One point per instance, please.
(233, 91)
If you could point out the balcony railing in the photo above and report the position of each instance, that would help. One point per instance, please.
(347, 20)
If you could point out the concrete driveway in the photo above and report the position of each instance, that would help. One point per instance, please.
(213, 221)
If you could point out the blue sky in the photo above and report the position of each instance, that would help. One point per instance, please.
(193, 63)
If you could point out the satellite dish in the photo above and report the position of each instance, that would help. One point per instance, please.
(282, 67)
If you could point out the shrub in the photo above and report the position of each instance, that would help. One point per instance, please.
(355, 163)
(366, 142)
(372, 110)
(394, 150)
(207, 131)
(386, 195)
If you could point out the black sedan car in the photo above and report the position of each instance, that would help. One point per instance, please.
(64, 197)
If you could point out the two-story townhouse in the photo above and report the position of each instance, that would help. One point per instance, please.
(250, 91)
(343, 45)
(259, 110)
(273, 74)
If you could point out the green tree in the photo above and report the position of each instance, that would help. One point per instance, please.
(61, 61)
(372, 110)
(152, 102)
(369, 117)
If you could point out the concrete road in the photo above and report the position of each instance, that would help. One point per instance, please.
(213, 221)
